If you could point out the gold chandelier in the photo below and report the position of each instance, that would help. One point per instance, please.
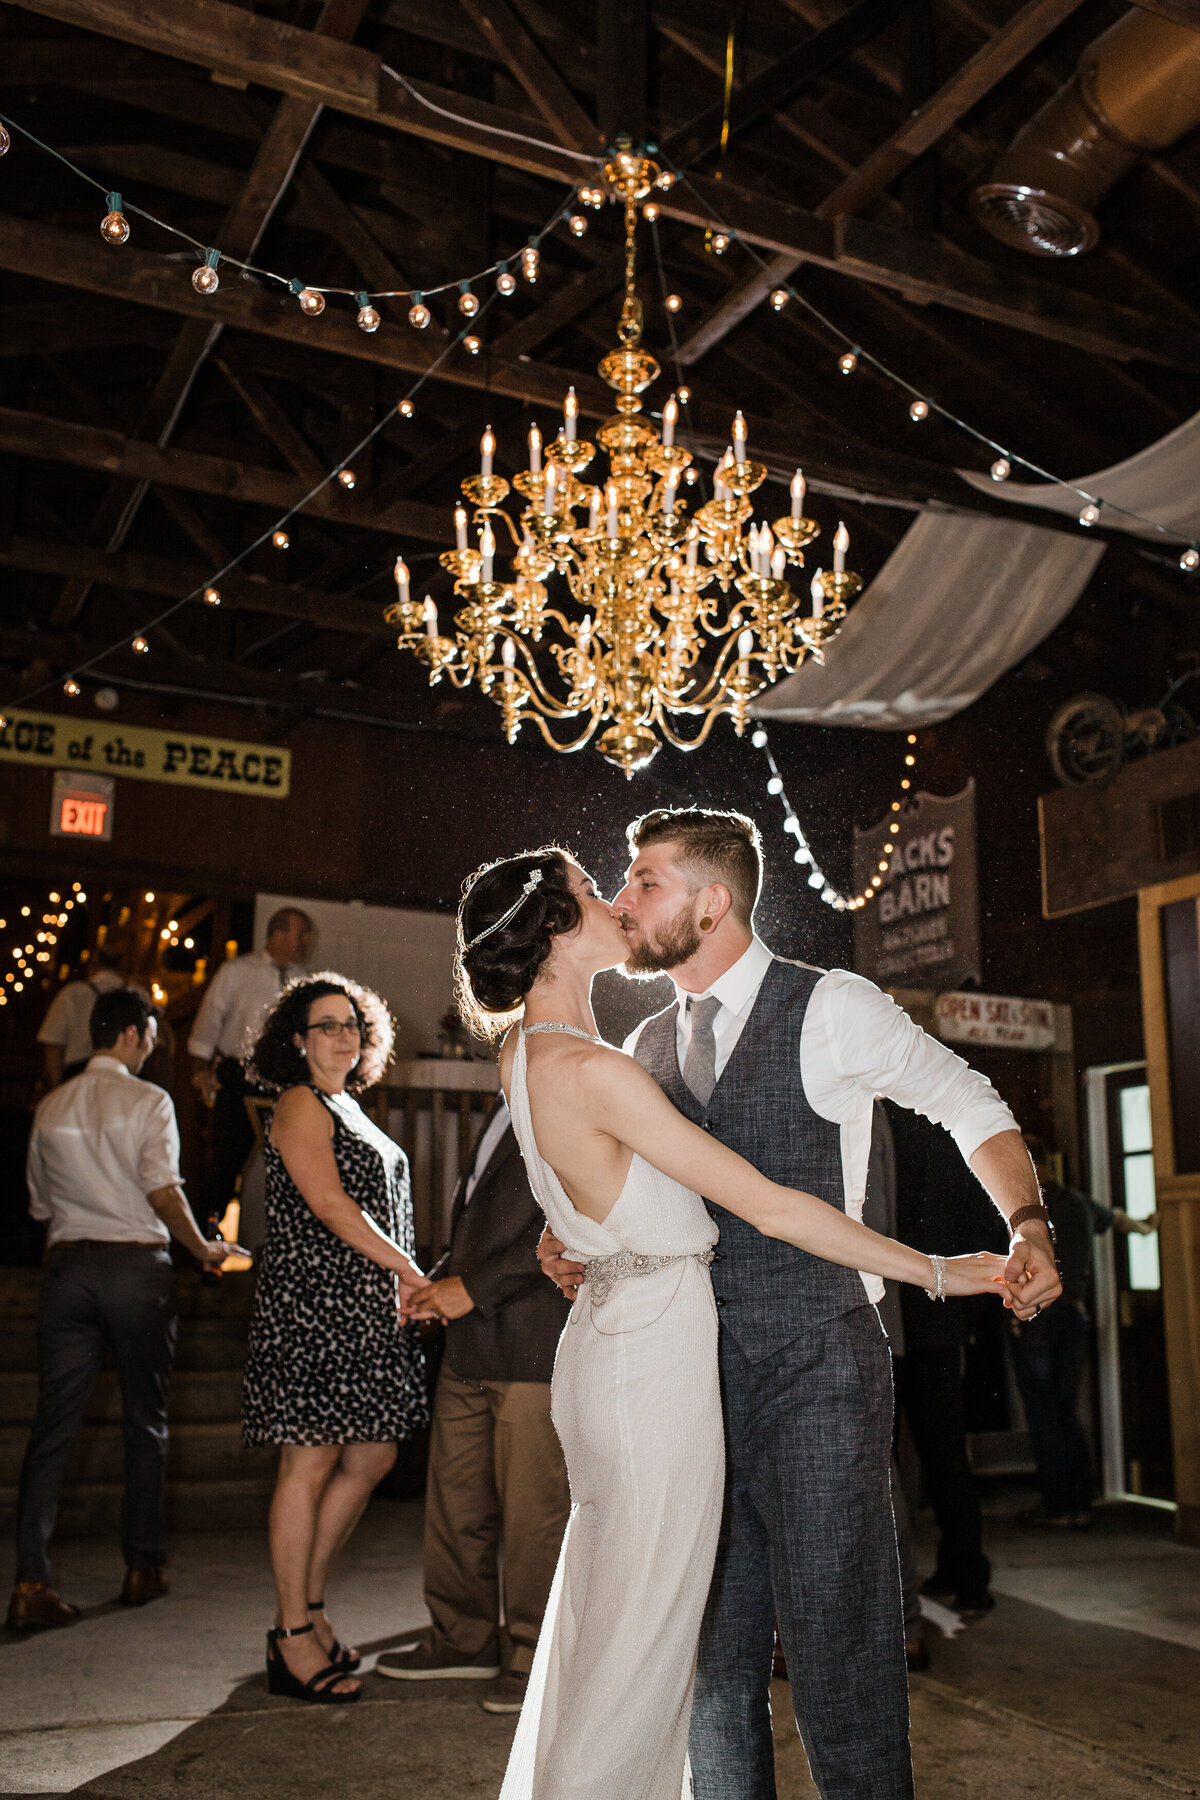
(656, 635)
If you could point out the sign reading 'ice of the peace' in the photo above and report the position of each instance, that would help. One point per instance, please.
(922, 927)
(223, 765)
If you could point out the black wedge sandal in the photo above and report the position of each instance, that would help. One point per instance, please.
(348, 1658)
(280, 1679)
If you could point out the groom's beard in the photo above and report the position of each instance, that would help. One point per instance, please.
(653, 953)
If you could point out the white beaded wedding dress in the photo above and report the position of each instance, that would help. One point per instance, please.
(636, 1403)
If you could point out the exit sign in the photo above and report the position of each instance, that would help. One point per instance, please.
(82, 806)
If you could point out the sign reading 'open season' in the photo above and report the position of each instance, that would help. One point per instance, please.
(45, 740)
(922, 927)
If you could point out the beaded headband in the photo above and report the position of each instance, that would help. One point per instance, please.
(534, 881)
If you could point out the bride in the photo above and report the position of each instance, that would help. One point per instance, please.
(635, 1398)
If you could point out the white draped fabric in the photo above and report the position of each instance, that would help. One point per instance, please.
(1161, 483)
(959, 601)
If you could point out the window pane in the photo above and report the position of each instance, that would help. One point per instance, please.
(1143, 1262)
(1135, 1119)
(1139, 1186)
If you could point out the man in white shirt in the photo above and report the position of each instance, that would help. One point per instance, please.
(238, 997)
(103, 1173)
(783, 1063)
(64, 1035)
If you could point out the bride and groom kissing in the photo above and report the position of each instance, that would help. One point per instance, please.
(722, 1388)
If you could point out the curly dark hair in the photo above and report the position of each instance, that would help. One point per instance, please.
(492, 979)
(274, 1061)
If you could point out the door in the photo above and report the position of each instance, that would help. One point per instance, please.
(1135, 1426)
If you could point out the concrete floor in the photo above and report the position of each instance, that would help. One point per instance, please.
(1084, 1683)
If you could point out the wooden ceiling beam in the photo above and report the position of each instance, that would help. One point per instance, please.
(532, 69)
(84, 447)
(930, 122)
(219, 35)
(623, 78)
(787, 76)
(168, 580)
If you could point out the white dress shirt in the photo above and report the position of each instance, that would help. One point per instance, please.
(856, 1046)
(100, 1143)
(494, 1130)
(238, 996)
(69, 1016)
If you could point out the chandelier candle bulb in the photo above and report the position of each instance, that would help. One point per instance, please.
(818, 597)
(487, 450)
(487, 551)
(429, 616)
(739, 439)
(401, 573)
(571, 416)
(745, 645)
(693, 550)
(612, 523)
(778, 563)
(594, 510)
(550, 498)
(841, 543)
(799, 488)
(460, 528)
(535, 450)
(508, 656)
(669, 421)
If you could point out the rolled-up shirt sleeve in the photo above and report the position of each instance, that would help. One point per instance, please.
(35, 1177)
(871, 1047)
(210, 1020)
(158, 1151)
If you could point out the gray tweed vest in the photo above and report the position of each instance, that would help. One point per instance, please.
(768, 1291)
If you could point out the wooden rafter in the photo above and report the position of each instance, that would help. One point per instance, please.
(528, 64)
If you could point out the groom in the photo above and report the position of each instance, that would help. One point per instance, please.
(783, 1063)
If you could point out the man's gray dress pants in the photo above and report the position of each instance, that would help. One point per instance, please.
(808, 1538)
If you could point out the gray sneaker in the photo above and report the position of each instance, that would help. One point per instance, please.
(420, 1663)
(506, 1695)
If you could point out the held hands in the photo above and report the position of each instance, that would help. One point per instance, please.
(446, 1299)
(1031, 1273)
(565, 1275)
(981, 1273)
(410, 1281)
(216, 1250)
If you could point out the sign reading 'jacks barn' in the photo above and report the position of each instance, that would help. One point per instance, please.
(922, 927)
(223, 765)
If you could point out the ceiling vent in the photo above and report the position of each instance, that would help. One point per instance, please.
(1136, 90)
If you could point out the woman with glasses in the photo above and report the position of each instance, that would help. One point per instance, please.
(333, 1374)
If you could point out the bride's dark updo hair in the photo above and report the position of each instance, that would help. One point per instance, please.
(492, 979)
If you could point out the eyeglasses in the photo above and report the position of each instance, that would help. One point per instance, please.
(334, 1027)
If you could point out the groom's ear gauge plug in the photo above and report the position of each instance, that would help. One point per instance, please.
(706, 924)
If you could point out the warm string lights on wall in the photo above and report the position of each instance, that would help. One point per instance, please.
(30, 959)
(804, 853)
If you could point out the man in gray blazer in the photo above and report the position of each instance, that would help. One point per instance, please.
(497, 1480)
(783, 1063)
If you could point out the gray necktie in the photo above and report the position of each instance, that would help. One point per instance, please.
(700, 1063)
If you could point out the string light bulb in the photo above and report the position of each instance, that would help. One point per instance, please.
(368, 315)
(114, 226)
(472, 344)
(71, 687)
(211, 597)
(419, 314)
(1190, 559)
(312, 301)
(577, 224)
(650, 213)
(780, 298)
(1090, 514)
(673, 302)
(506, 283)
(347, 478)
(530, 261)
(140, 645)
(468, 303)
(205, 279)
(405, 409)
(683, 395)
(1001, 469)
(280, 539)
(848, 361)
(918, 410)
(666, 180)
(719, 243)
(5, 141)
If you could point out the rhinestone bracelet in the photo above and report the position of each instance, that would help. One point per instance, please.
(938, 1290)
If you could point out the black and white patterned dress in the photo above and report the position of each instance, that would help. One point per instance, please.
(328, 1360)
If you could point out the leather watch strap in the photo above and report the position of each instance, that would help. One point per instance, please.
(1022, 1213)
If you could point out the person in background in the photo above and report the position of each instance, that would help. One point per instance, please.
(1049, 1352)
(64, 1036)
(496, 1494)
(230, 1015)
(939, 1200)
(103, 1172)
(334, 1374)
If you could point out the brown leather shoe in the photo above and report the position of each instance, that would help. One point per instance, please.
(36, 1607)
(143, 1585)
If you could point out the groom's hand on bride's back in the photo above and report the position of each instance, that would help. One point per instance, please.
(564, 1274)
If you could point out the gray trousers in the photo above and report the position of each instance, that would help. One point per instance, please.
(94, 1296)
(808, 1539)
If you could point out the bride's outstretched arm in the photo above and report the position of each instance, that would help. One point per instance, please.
(620, 1098)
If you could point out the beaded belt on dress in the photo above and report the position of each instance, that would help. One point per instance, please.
(603, 1272)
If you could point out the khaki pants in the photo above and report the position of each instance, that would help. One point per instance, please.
(497, 1482)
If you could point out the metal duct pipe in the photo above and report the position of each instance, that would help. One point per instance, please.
(1136, 90)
